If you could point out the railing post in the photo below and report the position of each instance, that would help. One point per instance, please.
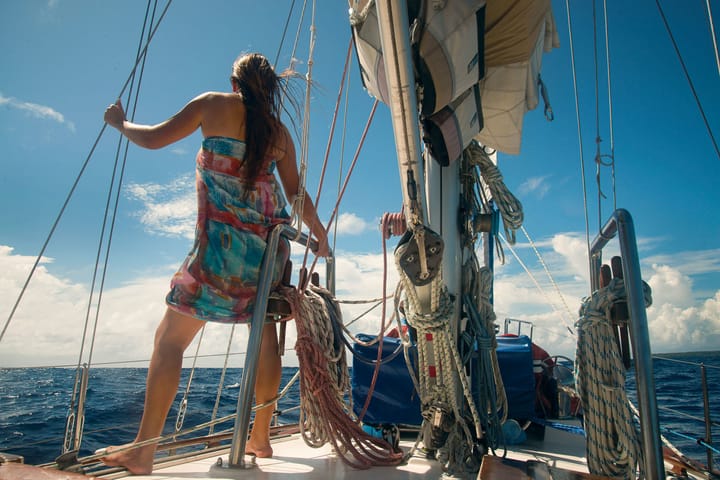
(621, 222)
(247, 384)
(706, 407)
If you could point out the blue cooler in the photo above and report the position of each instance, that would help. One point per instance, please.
(514, 354)
(394, 400)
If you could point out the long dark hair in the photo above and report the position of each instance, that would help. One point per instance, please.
(262, 91)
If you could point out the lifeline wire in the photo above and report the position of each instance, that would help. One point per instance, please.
(579, 133)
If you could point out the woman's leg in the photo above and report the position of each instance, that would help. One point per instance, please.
(267, 382)
(172, 337)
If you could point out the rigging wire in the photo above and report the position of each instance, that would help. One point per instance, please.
(689, 80)
(712, 33)
(331, 135)
(383, 319)
(76, 182)
(77, 429)
(350, 170)
(598, 139)
(282, 37)
(537, 284)
(550, 277)
(52, 231)
(120, 178)
(579, 133)
(610, 106)
(221, 381)
(299, 200)
(342, 150)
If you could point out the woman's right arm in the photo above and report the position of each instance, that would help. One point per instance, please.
(175, 128)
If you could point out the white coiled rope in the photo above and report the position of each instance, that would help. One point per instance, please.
(442, 389)
(613, 445)
(509, 206)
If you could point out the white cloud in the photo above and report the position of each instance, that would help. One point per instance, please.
(673, 328)
(670, 286)
(53, 310)
(168, 209)
(690, 263)
(36, 110)
(682, 317)
(351, 224)
(573, 249)
(179, 151)
(539, 186)
(52, 313)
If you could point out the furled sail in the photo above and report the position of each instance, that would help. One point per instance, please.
(517, 33)
(476, 64)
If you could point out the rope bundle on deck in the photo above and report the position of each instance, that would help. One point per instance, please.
(613, 446)
(324, 380)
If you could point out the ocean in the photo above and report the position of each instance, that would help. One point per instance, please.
(34, 404)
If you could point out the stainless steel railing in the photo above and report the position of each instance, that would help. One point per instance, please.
(247, 384)
(622, 224)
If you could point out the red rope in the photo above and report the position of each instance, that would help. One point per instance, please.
(355, 447)
(347, 177)
(394, 224)
(333, 123)
(391, 223)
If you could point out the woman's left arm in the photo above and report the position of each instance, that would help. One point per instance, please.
(175, 128)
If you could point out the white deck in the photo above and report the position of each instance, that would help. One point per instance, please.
(294, 458)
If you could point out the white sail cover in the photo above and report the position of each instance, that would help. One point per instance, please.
(517, 33)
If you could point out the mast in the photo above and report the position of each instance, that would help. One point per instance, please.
(431, 193)
(393, 26)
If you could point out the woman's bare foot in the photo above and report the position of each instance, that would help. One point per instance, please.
(138, 461)
(260, 450)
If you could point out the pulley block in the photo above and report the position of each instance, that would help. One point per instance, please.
(419, 253)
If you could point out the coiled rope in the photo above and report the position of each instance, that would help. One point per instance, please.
(613, 444)
(324, 381)
(509, 206)
(442, 391)
(493, 398)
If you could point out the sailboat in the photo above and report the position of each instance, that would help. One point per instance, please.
(443, 70)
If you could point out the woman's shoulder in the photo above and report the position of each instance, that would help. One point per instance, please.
(214, 98)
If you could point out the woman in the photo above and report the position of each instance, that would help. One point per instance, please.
(238, 203)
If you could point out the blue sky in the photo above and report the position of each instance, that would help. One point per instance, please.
(65, 61)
